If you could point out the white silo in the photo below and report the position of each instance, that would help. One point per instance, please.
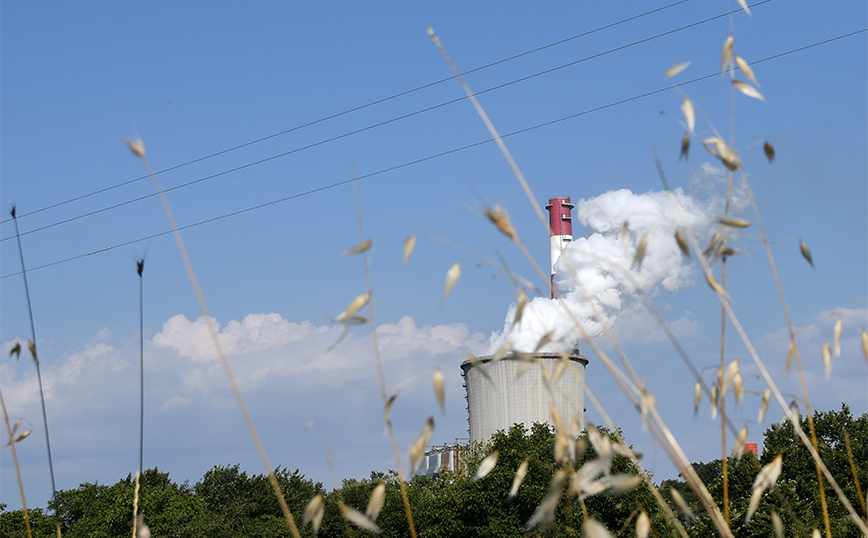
(514, 390)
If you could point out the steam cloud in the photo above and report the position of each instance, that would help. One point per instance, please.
(601, 262)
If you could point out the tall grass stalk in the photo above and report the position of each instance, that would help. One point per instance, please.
(17, 467)
(384, 393)
(140, 268)
(634, 391)
(36, 362)
(138, 148)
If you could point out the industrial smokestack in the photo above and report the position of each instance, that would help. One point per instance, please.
(560, 229)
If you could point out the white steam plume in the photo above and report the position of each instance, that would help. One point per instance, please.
(601, 261)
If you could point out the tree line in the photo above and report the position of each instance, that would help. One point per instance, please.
(228, 502)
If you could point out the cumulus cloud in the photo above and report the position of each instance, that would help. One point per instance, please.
(284, 374)
(255, 332)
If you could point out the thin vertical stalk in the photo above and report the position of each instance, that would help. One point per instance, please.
(15, 462)
(140, 265)
(384, 394)
(35, 356)
(138, 148)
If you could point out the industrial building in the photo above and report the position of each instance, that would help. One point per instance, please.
(521, 388)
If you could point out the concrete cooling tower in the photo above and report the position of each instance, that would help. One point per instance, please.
(511, 391)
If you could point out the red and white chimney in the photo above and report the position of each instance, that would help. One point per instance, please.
(561, 229)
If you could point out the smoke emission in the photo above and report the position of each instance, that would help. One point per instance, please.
(601, 261)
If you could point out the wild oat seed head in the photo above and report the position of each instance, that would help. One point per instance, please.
(689, 114)
(730, 373)
(439, 390)
(519, 309)
(16, 350)
(355, 305)
(497, 215)
(137, 146)
(865, 344)
(591, 528)
(640, 252)
(681, 503)
(545, 513)
(359, 519)
(726, 53)
(362, 247)
(778, 525)
(769, 151)
(520, 473)
(734, 222)
(486, 466)
(685, 147)
(740, 441)
(827, 359)
(314, 511)
(643, 525)
(745, 68)
(675, 69)
(451, 278)
(712, 244)
(375, 504)
(764, 406)
(838, 330)
(748, 90)
(791, 353)
(697, 396)
(806, 253)
(20, 437)
(682, 243)
(738, 388)
(409, 247)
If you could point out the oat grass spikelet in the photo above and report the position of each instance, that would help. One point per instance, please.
(451, 278)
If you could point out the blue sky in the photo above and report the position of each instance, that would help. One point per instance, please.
(195, 79)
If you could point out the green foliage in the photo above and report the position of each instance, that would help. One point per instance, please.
(240, 505)
(226, 502)
(795, 497)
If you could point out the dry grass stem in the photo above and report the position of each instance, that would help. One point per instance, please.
(9, 434)
(138, 148)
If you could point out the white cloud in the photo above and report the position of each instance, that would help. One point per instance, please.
(285, 378)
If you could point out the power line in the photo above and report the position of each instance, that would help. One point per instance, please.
(356, 109)
(380, 124)
(434, 156)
